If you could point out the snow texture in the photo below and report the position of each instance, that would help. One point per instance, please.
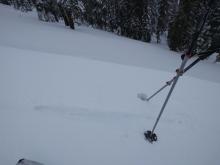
(70, 97)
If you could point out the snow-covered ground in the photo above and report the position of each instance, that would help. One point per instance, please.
(70, 97)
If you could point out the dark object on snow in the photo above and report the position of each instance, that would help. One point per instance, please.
(27, 162)
(151, 137)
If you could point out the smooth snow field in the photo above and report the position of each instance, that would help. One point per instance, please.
(70, 98)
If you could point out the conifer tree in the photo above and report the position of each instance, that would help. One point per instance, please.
(72, 11)
(162, 23)
(23, 5)
(209, 38)
(182, 29)
(6, 2)
(149, 19)
(215, 27)
(47, 10)
(139, 19)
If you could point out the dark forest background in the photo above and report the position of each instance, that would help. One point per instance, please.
(137, 19)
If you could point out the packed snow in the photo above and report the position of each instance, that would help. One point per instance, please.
(70, 97)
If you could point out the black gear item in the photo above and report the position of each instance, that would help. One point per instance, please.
(28, 162)
(151, 137)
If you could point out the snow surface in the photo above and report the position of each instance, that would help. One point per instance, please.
(70, 97)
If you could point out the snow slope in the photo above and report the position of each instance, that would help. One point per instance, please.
(93, 44)
(73, 102)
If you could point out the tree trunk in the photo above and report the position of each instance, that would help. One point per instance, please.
(70, 18)
(217, 58)
(62, 11)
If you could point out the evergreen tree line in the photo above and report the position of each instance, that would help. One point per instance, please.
(137, 19)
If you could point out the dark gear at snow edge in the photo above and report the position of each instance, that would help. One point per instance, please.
(27, 162)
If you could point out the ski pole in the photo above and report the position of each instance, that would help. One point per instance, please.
(150, 135)
(170, 92)
(158, 91)
(168, 83)
(201, 55)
